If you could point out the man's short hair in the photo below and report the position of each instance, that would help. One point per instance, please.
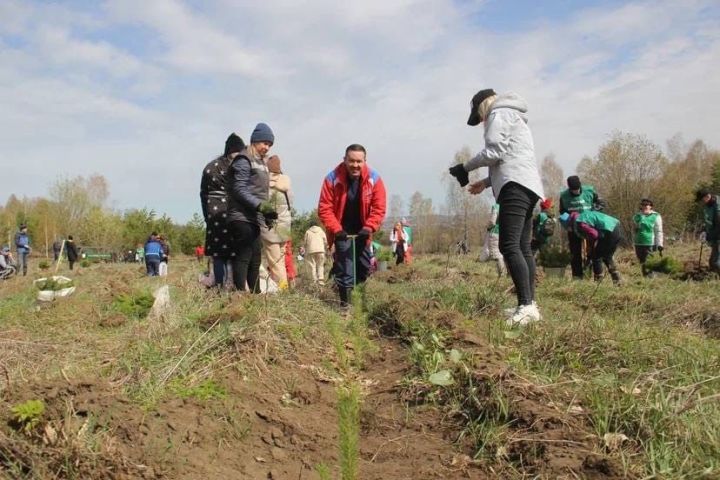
(700, 193)
(355, 147)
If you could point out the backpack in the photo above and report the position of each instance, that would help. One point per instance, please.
(548, 227)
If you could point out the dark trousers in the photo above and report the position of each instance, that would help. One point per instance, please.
(153, 266)
(71, 262)
(642, 252)
(247, 249)
(576, 260)
(351, 271)
(604, 252)
(516, 207)
(714, 257)
(399, 255)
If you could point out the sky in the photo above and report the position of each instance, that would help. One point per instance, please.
(146, 92)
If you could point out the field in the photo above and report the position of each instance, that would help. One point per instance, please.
(421, 379)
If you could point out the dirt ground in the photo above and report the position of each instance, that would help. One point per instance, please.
(278, 419)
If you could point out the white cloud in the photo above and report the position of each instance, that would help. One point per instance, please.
(396, 76)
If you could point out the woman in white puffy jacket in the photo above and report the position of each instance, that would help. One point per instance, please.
(509, 154)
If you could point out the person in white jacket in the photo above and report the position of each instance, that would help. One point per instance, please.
(509, 154)
(273, 239)
(315, 247)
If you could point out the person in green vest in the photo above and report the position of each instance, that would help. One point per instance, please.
(577, 198)
(604, 235)
(648, 232)
(542, 230)
(711, 215)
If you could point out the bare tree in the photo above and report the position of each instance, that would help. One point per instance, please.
(627, 168)
(552, 176)
(396, 207)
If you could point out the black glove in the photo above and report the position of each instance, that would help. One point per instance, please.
(341, 235)
(458, 171)
(270, 218)
(660, 249)
(364, 233)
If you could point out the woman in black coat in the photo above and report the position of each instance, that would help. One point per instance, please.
(213, 197)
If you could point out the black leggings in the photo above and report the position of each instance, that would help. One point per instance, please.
(246, 262)
(515, 218)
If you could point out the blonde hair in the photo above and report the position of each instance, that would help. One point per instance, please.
(484, 107)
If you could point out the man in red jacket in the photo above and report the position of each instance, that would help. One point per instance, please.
(352, 203)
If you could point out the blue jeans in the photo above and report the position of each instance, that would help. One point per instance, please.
(23, 261)
(219, 269)
(516, 207)
(344, 262)
(153, 266)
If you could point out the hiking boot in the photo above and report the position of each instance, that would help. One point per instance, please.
(616, 278)
(345, 296)
(523, 315)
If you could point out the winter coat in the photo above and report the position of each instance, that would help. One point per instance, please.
(71, 250)
(711, 214)
(397, 239)
(280, 196)
(248, 184)
(315, 240)
(214, 202)
(648, 229)
(509, 151)
(153, 249)
(22, 242)
(333, 197)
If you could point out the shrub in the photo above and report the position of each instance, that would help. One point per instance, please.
(85, 263)
(554, 256)
(135, 305)
(385, 255)
(28, 414)
(44, 265)
(53, 285)
(669, 265)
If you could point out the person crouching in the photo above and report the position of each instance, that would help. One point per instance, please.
(604, 234)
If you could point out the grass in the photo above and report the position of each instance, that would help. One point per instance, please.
(635, 359)
(640, 361)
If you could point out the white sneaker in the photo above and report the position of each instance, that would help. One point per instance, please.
(523, 315)
(511, 310)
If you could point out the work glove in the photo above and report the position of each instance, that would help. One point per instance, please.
(341, 235)
(458, 171)
(270, 218)
(364, 233)
(702, 237)
(659, 248)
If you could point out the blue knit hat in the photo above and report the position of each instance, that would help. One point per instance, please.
(262, 133)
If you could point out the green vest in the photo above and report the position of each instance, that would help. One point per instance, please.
(601, 222)
(496, 227)
(579, 203)
(645, 228)
(408, 235)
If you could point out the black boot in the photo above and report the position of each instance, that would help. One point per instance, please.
(616, 278)
(345, 296)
